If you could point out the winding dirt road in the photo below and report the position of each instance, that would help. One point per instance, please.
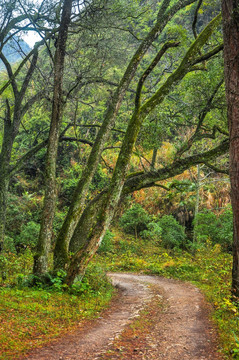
(152, 318)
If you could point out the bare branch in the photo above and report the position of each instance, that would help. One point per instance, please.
(194, 24)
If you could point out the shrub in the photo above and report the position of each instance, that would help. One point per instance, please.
(9, 245)
(225, 229)
(106, 245)
(94, 282)
(135, 220)
(173, 234)
(153, 232)
(28, 236)
(219, 230)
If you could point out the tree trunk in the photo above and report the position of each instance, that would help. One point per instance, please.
(81, 259)
(86, 240)
(5, 157)
(197, 203)
(154, 157)
(44, 240)
(4, 181)
(230, 12)
(77, 207)
(12, 120)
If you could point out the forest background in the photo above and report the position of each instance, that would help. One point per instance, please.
(116, 117)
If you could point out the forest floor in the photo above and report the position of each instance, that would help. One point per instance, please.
(150, 318)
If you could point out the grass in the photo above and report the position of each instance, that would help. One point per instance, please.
(32, 317)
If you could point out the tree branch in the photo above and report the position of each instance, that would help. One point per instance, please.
(150, 68)
(10, 74)
(196, 136)
(139, 181)
(194, 24)
(184, 67)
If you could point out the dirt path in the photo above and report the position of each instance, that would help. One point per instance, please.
(153, 318)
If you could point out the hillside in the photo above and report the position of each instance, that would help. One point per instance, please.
(15, 51)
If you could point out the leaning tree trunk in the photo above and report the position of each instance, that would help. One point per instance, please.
(106, 213)
(90, 220)
(81, 259)
(230, 12)
(76, 209)
(44, 240)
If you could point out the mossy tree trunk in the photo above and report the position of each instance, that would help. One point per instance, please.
(84, 243)
(196, 209)
(15, 109)
(85, 228)
(230, 11)
(82, 257)
(44, 240)
(5, 158)
(166, 12)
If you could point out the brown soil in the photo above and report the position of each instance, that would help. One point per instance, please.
(152, 318)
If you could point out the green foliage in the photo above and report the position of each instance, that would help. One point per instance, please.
(173, 234)
(153, 232)
(135, 220)
(217, 229)
(130, 244)
(46, 281)
(22, 225)
(28, 236)
(226, 229)
(14, 265)
(71, 177)
(100, 180)
(9, 245)
(94, 283)
(106, 245)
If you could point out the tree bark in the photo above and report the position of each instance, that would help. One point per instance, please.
(77, 207)
(230, 13)
(44, 240)
(85, 241)
(196, 209)
(5, 157)
(81, 258)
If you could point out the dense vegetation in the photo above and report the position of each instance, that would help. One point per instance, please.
(117, 116)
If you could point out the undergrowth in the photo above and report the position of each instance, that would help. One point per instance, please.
(30, 317)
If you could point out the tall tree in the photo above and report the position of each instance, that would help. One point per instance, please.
(44, 241)
(141, 110)
(16, 93)
(166, 11)
(14, 103)
(230, 13)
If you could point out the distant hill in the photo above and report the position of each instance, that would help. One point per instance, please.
(14, 51)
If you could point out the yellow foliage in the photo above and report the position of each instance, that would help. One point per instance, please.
(166, 152)
(168, 264)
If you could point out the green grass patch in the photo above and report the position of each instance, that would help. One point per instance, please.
(32, 317)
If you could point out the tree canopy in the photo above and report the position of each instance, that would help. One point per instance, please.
(123, 96)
